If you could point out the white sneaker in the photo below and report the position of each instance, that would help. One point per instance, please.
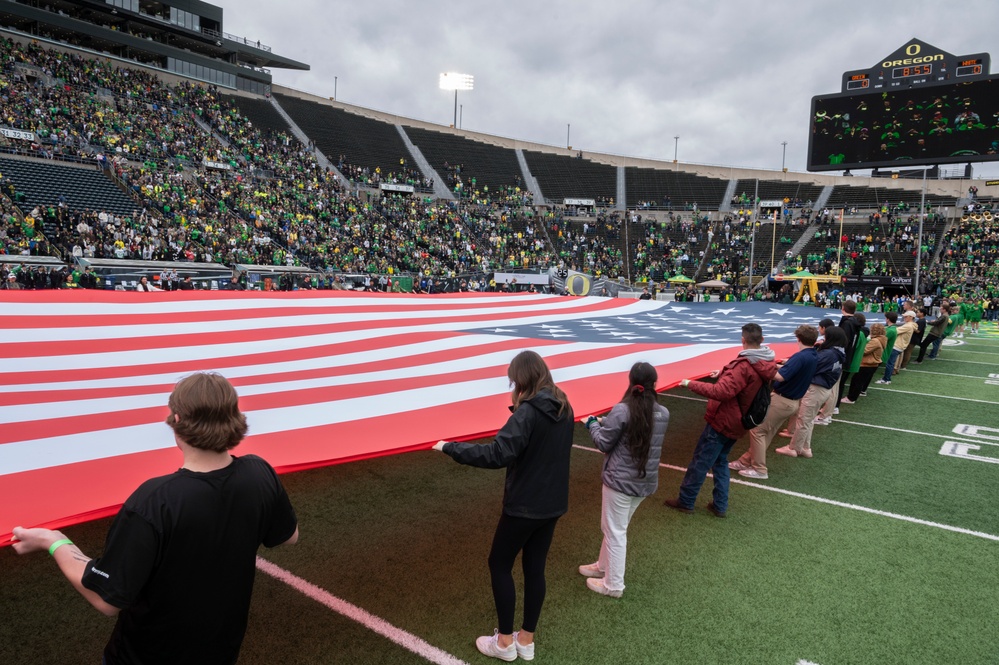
(753, 473)
(787, 450)
(836, 411)
(524, 651)
(591, 570)
(488, 645)
(598, 586)
(822, 421)
(805, 453)
(883, 382)
(738, 466)
(785, 433)
(845, 400)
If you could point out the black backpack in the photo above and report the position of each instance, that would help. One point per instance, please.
(757, 411)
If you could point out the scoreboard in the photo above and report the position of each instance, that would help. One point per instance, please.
(918, 106)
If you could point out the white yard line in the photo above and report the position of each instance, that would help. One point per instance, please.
(969, 362)
(960, 399)
(839, 504)
(963, 376)
(404, 639)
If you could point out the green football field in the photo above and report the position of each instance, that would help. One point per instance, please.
(882, 548)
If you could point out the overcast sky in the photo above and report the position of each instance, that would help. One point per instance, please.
(733, 79)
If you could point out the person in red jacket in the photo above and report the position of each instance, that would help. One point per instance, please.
(728, 399)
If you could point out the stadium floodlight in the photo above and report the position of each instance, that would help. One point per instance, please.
(456, 82)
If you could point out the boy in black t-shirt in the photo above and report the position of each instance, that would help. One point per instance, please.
(179, 561)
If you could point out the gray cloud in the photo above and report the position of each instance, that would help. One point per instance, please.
(732, 78)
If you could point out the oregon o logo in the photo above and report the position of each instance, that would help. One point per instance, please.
(913, 49)
(578, 285)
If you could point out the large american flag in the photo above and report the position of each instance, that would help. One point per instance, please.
(323, 377)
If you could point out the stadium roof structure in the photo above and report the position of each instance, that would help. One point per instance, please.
(185, 37)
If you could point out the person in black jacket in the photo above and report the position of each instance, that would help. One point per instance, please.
(534, 447)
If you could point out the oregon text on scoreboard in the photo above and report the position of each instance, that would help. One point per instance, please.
(918, 106)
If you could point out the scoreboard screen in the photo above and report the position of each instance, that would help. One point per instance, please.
(942, 124)
(919, 106)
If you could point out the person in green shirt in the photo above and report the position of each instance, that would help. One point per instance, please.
(891, 332)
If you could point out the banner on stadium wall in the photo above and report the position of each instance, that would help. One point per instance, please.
(878, 280)
(219, 166)
(323, 377)
(388, 187)
(580, 202)
(543, 279)
(17, 134)
(581, 284)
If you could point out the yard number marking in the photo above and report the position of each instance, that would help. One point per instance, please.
(986, 436)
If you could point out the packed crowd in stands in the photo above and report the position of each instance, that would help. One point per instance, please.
(592, 247)
(406, 175)
(209, 186)
(970, 257)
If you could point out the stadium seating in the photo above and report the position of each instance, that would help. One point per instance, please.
(46, 183)
(681, 189)
(799, 194)
(562, 177)
(260, 112)
(866, 198)
(364, 149)
(488, 166)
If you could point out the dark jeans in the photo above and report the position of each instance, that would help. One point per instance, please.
(890, 365)
(534, 537)
(710, 454)
(860, 381)
(929, 339)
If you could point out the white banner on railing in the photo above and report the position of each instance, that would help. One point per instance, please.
(386, 187)
(579, 202)
(221, 166)
(17, 134)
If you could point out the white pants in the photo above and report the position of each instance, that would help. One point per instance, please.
(615, 514)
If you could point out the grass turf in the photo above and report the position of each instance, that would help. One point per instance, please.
(780, 579)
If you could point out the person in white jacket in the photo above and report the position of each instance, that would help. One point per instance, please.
(631, 436)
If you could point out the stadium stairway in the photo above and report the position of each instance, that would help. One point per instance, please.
(532, 182)
(206, 128)
(823, 199)
(441, 190)
(797, 247)
(622, 189)
(303, 137)
(726, 202)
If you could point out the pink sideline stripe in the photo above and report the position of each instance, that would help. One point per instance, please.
(406, 640)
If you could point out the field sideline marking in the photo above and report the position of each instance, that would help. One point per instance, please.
(963, 376)
(406, 640)
(950, 437)
(981, 353)
(909, 392)
(838, 504)
(970, 362)
(887, 390)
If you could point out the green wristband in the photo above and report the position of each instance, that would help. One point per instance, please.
(57, 544)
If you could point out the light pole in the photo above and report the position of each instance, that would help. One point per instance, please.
(456, 82)
(461, 114)
(568, 144)
(676, 147)
(783, 155)
(334, 88)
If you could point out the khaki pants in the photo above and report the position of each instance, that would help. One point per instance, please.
(801, 431)
(781, 408)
